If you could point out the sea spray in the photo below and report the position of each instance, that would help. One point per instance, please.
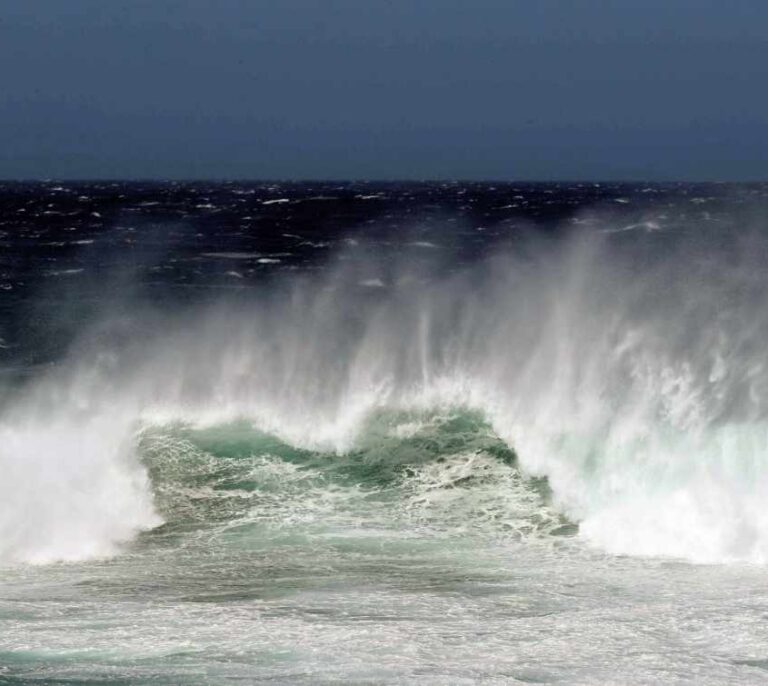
(72, 488)
(628, 369)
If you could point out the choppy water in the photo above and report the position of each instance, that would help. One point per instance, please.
(339, 433)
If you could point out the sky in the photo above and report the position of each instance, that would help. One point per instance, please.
(384, 89)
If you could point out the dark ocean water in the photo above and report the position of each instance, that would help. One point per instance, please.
(69, 249)
(369, 433)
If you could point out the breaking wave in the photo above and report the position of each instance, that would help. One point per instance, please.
(433, 475)
(610, 386)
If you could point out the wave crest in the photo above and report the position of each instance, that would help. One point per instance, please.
(628, 369)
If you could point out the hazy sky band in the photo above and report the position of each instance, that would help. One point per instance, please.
(372, 89)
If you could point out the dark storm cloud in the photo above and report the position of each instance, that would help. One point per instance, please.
(375, 89)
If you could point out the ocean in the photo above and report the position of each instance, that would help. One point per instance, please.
(383, 433)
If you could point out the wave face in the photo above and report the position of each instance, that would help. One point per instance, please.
(433, 475)
(615, 384)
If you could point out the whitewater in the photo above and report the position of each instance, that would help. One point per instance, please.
(438, 450)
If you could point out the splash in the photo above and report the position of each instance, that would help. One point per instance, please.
(628, 368)
(71, 489)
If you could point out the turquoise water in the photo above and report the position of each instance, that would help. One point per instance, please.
(422, 555)
(547, 466)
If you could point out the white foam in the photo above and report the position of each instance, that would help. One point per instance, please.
(231, 255)
(639, 388)
(71, 488)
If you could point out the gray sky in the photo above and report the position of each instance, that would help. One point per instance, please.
(372, 89)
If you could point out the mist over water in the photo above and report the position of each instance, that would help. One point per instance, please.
(629, 370)
(575, 394)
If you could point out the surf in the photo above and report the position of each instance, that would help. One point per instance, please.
(625, 371)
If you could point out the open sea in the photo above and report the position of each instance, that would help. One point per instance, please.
(383, 433)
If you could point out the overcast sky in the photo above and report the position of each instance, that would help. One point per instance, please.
(372, 89)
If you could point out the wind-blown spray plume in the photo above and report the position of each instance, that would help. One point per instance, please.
(628, 369)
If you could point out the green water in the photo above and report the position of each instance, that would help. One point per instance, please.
(423, 555)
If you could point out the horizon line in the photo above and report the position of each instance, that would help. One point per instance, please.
(352, 180)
